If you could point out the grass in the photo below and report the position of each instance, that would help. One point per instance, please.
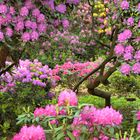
(116, 102)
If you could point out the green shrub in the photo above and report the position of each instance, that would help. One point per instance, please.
(12, 104)
(124, 85)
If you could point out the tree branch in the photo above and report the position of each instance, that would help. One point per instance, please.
(10, 66)
(7, 69)
(93, 71)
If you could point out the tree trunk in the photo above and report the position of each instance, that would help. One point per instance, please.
(102, 94)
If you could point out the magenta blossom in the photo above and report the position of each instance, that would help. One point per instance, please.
(136, 68)
(65, 23)
(125, 5)
(125, 69)
(24, 11)
(61, 8)
(9, 32)
(25, 36)
(67, 97)
(130, 21)
(138, 128)
(138, 115)
(1, 36)
(119, 49)
(49, 110)
(3, 9)
(30, 133)
(34, 35)
(126, 34)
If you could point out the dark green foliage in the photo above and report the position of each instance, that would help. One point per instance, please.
(124, 85)
(13, 104)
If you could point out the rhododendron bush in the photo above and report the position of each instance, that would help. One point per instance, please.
(29, 72)
(44, 43)
(68, 120)
(23, 23)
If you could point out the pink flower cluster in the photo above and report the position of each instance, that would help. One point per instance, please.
(91, 116)
(18, 22)
(138, 118)
(126, 51)
(125, 5)
(49, 110)
(138, 115)
(29, 72)
(138, 128)
(126, 69)
(80, 68)
(130, 21)
(30, 133)
(61, 8)
(126, 34)
(32, 72)
(67, 97)
(129, 55)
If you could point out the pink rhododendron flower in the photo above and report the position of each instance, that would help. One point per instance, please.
(129, 49)
(65, 23)
(25, 36)
(126, 34)
(138, 115)
(61, 8)
(138, 128)
(9, 32)
(3, 9)
(127, 56)
(28, 24)
(125, 69)
(125, 5)
(137, 56)
(139, 7)
(19, 26)
(33, 25)
(76, 133)
(130, 21)
(34, 35)
(49, 110)
(24, 11)
(30, 133)
(36, 12)
(119, 49)
(67, 97)
(42, 28)
(108, 116)
(1, 36)
(41, 18)
(136, 68)
(12, 10)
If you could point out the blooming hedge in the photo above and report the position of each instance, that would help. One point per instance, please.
(70, 121)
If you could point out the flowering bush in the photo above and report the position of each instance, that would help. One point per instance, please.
(32, 132)
(67, 120)
(29, 72)
(25, 23)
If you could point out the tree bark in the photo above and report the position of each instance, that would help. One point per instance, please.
(102, 94)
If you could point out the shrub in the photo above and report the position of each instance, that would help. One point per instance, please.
(63, 121)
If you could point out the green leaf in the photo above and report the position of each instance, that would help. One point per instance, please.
(70, 135)
(57, 129)
(111, 130)
(60, 136)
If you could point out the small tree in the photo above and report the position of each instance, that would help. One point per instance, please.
(115, 27)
